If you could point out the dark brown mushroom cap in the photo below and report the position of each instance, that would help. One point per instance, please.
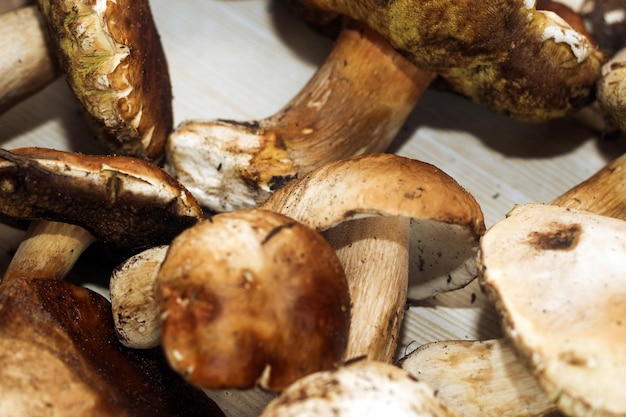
(125, 202)
(112, 56)
(252, 297)
(59, 356)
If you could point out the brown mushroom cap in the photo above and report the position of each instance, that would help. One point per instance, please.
(59, 356)
(125, 202)
(251, 298)
(556, 276)
(115, 65)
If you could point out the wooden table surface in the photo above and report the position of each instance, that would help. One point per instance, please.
(244, 59)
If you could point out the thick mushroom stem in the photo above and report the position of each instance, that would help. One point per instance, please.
(26, 63)
(355, 103)
(527, 64)
(372, 302)
(49, 250)
(602, 193)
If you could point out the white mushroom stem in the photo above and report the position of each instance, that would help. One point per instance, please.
(355, 103)
(479, 378)
(49, 250)
(374, 253)
(26, 64)
(131, 289)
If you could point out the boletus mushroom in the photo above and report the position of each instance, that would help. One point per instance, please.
(360, 388)
(113, 60)
(126, 203)
(252, 298)
(570, 339)
(526, 63)
(356, 102)
(58, 349)
(366, 207)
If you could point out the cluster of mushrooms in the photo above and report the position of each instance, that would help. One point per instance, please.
(247, 259)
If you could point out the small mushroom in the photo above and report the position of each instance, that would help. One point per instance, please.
(361, 388)
(26, 64)
(252, 298)
(127, 203)
(479, 378)
(506, 55)
(111, 54)
(356, 102)
(364, 206)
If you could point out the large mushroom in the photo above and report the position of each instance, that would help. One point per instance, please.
(570, 339)
(356, 102)
(59, 351)
(516, 60)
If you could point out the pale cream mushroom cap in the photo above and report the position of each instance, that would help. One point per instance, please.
(363, 388)
(558, 278)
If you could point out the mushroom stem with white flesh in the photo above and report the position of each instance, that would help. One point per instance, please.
(528, 64)
(109, 198)
(355, 103)
(576, 357)
(350, 201)
(26, 63)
